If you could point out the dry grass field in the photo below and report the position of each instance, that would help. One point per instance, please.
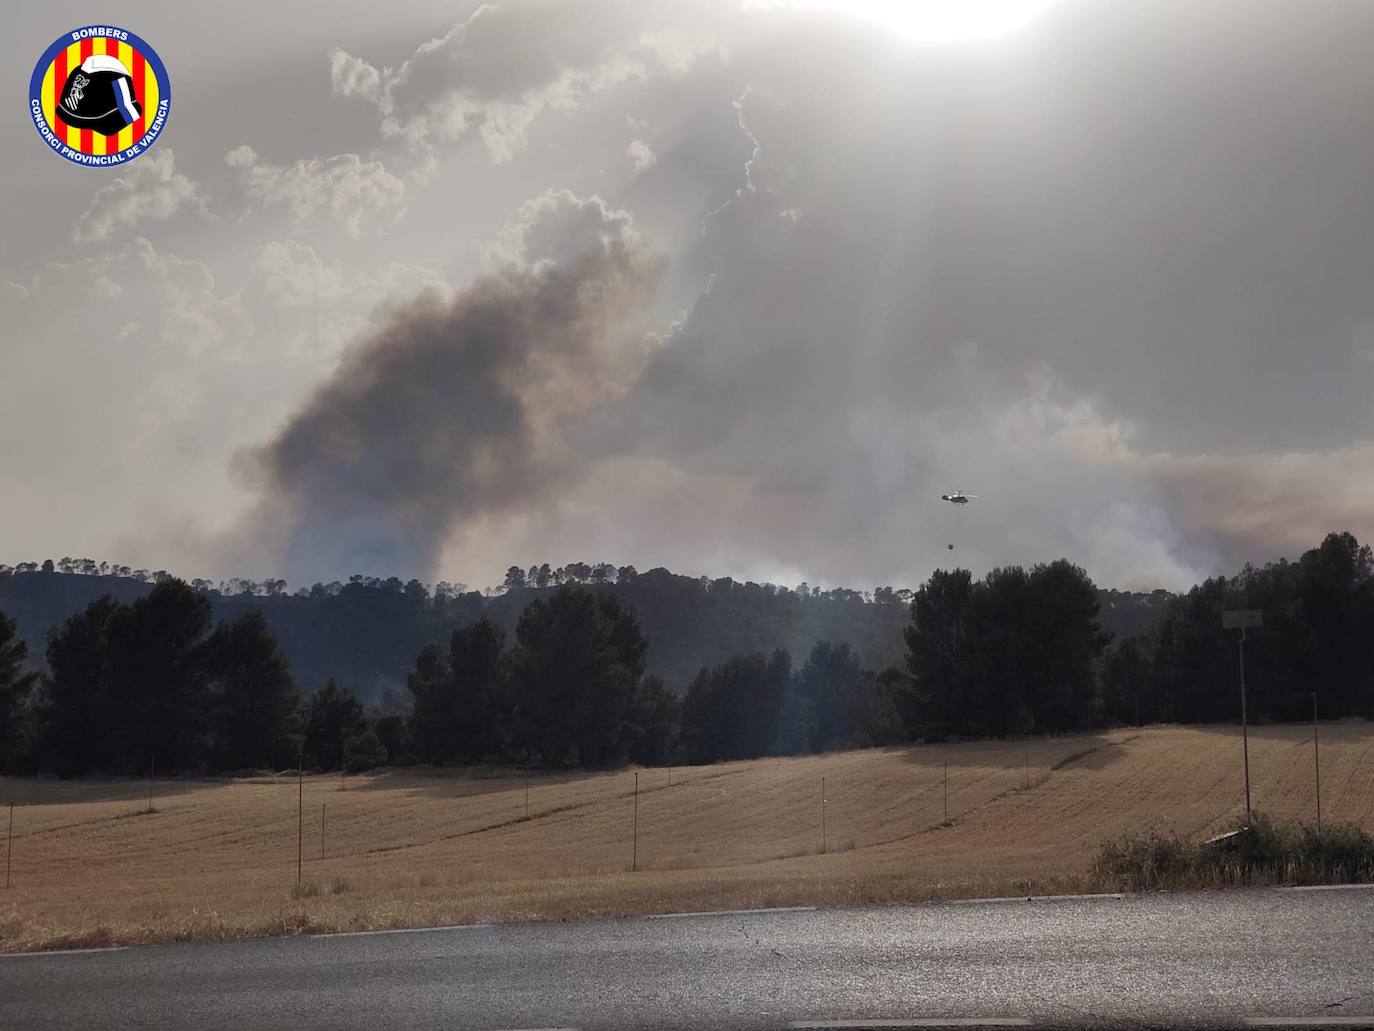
(217, 858)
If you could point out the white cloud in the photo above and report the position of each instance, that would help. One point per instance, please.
(152, 188)
(292, 275)
(511, 62)
(241, 157)
(641, 154)
(353, 77)
(316, 307)
(345, 189)
(140, 331)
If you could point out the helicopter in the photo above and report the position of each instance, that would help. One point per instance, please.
(957, 497)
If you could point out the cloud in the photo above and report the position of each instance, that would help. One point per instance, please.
(315, 306)
(1109, 272)
(292, 275)
(922, 283)
(641, 154)
(452, 408)
(510, 62)
(353, 77)
(148, 342)
(346, 189)
(152, 188)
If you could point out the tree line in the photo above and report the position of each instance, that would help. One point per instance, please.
(517, 578)
(1317, 639)
(152, 685)
(155, 682)
(1024, 651)
(366, 631)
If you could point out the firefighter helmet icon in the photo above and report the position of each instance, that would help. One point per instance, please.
(100, 95)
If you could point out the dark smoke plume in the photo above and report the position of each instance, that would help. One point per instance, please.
(451, 409)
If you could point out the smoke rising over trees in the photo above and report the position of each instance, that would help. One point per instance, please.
(451, 409)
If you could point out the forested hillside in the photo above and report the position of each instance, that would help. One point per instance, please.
(367, 632)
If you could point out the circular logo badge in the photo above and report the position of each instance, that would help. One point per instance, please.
(99, 96)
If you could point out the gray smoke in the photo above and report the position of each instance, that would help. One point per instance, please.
(450, 410)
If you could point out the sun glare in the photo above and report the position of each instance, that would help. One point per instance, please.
(939, 21)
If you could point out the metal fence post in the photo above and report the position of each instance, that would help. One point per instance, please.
(822, 816)
(1240, 619)
(1317, 756)
(946, 792)
(9, 848)
(322, 830)
(634, 854)
(1244, 728)
(300, 820)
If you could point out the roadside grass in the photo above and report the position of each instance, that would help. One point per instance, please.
(415, 847)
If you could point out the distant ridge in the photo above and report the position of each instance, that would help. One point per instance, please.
(366, 633)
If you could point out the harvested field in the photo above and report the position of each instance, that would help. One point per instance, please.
(217, 858)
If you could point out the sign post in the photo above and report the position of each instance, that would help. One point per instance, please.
(1241, 619)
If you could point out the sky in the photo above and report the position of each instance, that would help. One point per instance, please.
(737, 288)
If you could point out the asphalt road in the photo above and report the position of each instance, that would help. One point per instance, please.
(1204, 959)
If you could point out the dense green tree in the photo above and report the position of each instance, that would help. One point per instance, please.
(479, 702)
(1062, 641)
(334, 719)
(126, 685)
(1335, 599)
(735, 710)
(1195, 658)
(461, 710)
(999, 640)
(835, 703)
(883, 722)
(363, 750)
(841, 696)
(1013, 653)
(157, 677)
(15, 685)
(1130, 691)
(939, 657)
(393, 732)
(78, 711)
(652, 724)
(432, 718)
(252, 698)
(577, 659)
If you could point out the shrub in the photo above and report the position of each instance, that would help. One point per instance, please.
(1145, 860)
(364, 751)
(1264, 852)
(1264, 848)
(1342, 851)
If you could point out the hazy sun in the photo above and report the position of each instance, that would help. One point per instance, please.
(942, 20)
